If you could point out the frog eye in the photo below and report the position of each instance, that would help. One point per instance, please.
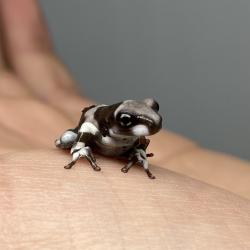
(125, 120)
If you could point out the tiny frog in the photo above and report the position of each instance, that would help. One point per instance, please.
(116, 130)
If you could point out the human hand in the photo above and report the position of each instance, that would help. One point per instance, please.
(45, 206)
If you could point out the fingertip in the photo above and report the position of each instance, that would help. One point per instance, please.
(24, 27)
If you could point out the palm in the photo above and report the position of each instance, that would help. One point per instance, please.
(39, 100)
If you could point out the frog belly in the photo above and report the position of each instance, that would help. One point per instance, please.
(113, 147)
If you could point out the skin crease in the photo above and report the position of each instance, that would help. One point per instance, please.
(44, 206)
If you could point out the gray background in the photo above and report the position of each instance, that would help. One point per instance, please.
(193, 56)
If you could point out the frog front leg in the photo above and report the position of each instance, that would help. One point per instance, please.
(86, 134)
(80, 150)
(138, 156)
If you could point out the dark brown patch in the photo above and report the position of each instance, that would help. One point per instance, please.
(105, 117)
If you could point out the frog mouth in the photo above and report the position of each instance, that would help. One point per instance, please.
(116, 132)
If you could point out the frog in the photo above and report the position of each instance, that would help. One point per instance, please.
(118, 130)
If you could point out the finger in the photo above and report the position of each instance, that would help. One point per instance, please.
(2, 64)
(29, 48)
(32, 121)
(13, 141)
(31, 56)
(1, 55)
(12, 42)
(24, 28)
(11, 87)
(9, 84)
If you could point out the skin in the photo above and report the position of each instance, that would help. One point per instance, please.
(44, 206)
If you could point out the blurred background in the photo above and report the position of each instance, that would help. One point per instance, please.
(193, 56)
